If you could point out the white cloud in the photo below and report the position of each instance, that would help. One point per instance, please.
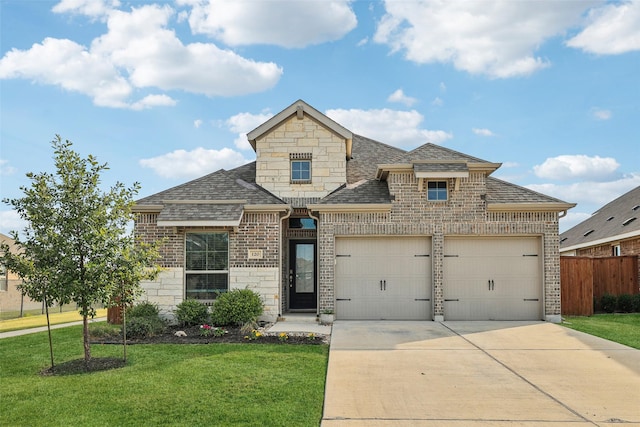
(495, 38)
(443, 87)
(577, 166)
(362, 42)
(290, 24)
(93, 8)
(600, 114)
(194, 163)
(483, 132)
(197, 123)
(590, 192)
(137, 52)
(437, 101)
(6, 168)
(11, 221)
(400, 128)
(399, 96)
(612, 29)
(242, 124)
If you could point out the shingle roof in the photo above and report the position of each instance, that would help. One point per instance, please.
(607, 222)
(431, 151)
(440, 167)
(366, 154)
(200, 212)
(499, 191)
(365, 192)
(219, 185)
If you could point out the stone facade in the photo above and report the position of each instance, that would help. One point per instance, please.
(328, 159)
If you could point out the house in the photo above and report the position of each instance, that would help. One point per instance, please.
(325, 219)
(12, 302)
(613, 230)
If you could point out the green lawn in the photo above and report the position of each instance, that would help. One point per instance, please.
(162, 384)
(622, 328)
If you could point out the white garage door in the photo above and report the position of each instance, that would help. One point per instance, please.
(492, 278)
(383, 278)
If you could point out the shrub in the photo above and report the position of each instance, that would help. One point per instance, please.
(237, 307)
(625, 303)
(145, 327)
(608, 303)
(191, 312)
(104, 330)
(143, 309)
(636, 303)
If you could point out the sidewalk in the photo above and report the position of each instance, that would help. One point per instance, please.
(44, 328)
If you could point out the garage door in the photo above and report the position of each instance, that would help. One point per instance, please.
(492, 278)
(383, 278)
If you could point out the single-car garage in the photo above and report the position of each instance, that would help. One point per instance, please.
(492, 278)
(383, 278)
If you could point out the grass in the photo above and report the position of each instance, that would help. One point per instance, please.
(621, 328)
(163, 384)
(41, 320)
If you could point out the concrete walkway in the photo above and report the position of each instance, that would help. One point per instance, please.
(478, 374)
(44, 328)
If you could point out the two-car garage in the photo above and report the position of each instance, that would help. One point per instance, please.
(484, 278)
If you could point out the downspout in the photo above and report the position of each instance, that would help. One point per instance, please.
(287, 215)
(317, 219)
(562, 214)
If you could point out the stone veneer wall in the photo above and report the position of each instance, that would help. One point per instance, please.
(328, 162)
(263, 280)
(463, 214)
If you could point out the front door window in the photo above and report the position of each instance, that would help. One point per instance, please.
(302, 275)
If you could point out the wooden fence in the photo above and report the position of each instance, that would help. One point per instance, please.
(582, 279)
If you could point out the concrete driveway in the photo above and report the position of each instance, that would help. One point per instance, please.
(477, 374)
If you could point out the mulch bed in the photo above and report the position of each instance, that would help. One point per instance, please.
(233, 335)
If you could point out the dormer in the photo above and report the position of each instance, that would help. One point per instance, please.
(301, 153)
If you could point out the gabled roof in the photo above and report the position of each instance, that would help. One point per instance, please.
(364, 196)
(431, 151)
(613, 222)
(505, 196)
(366, 155)
(300, 108)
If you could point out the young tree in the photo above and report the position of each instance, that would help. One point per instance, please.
(76, 233)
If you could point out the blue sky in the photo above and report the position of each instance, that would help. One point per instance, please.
(165, 92)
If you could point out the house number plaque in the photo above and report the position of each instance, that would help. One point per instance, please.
(255, 254)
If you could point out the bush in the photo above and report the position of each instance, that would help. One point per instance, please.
(608, 303)
(625, 303)
(143, 321)
(143, 309)
(191, 312)
(237, 307)
(636, 303)
(145, 327)
(103, 330)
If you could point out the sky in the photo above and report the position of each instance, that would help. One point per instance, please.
(165, 91)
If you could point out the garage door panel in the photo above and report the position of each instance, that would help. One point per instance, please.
(492, 278)
(383, 278)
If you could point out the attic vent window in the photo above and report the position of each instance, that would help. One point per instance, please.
(610, 218)
(563, 239)
(588, 232)
(629, 221)
(299, 156)
(635, 208)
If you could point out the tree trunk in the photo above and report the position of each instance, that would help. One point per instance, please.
(85, 333)
(49, 331)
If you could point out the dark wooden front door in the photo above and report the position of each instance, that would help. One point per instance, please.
(303, 289)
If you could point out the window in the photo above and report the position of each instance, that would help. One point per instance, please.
(301, 171)
(437, 190)
(302, 223)
(206, 265)
(3, 278)
(615, 250)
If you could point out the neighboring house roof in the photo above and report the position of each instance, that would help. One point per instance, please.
(617, 220)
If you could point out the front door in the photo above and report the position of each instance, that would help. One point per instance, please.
(303, 290)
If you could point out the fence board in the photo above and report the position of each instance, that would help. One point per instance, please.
(583, 279)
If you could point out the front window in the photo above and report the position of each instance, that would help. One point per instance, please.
(301, 171)
(207, 265)
(437, 191)
(3, 278)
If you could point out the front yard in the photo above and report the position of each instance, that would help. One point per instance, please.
(163, 384)
(621, 328)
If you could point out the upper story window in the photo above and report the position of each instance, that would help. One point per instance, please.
(300, 167)
(437, 191)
